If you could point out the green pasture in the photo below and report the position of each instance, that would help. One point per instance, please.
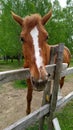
(8, 65)
(64, 116)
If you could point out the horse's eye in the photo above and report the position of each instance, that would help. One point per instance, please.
(22, 39)
(47, 37)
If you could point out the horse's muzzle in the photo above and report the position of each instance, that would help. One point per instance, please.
(39, 85)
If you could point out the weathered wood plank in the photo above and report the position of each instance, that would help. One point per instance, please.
(20, 74)
(64, 100)
(56, 124)
(33, 117)
(67, 72)
(11, 75)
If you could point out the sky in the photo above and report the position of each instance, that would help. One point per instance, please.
(62, 2)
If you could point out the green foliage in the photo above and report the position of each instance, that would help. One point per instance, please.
(60, 27)
(9, 40)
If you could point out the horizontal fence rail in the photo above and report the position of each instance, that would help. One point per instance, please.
(67, 71)
(33, 117)
(21, 74)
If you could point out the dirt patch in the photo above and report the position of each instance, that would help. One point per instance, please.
(13, 102)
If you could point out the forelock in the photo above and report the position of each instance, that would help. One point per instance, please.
(32, 20)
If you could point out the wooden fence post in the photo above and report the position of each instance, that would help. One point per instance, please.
(55, 85)
(46, 93)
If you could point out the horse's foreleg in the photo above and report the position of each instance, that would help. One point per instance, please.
(62, 82)
(29, 96)
(60, 87)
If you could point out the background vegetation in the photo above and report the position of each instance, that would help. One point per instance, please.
(60, 26)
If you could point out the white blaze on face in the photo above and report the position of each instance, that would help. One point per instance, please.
(34, 34)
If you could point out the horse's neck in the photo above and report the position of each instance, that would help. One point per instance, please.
(47, 51)
(66, 54)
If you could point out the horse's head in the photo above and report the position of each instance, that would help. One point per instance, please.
(34, 38)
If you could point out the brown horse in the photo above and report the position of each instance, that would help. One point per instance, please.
(36, 51)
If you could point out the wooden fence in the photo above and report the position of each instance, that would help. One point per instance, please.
(59, 70)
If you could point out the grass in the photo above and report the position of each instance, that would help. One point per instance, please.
(36, 127)
(71, 63)
(69, 77)
(19, 84)
(10, 65)
(65, 118)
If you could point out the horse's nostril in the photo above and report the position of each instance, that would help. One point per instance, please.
(48, 75)
(22, 39)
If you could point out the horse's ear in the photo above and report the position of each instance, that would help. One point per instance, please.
(46, 17)
(17, 18)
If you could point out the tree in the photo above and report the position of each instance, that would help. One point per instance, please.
(9, 43)
(69, 24)
(55, 25)
(60, 27)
